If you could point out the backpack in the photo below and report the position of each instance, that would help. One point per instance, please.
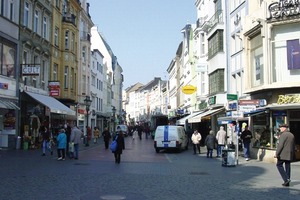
(114, 145)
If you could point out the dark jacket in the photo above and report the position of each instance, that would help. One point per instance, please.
(286, 147)
(246, 136)
(120, 143)
(106, 135)
(210, 141)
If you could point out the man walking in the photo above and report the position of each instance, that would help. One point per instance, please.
(75, 138)
(246, 137)
(285, 153)
(221, 138)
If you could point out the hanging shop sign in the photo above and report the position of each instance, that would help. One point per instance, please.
(282, 9)
(30, 70)
(189, 89)
(54, 88)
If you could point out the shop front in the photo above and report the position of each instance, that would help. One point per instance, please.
(39, 110)
(8, 121)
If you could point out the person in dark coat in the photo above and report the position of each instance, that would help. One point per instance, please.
(246, 137)
(106, 137)
(285, 153)
(120, 145)
(210, 142)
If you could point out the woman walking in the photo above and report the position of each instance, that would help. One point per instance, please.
(120, 145)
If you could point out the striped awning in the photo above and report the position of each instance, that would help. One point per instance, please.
(8, 104)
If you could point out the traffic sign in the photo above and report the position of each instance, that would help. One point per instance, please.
(232, 97)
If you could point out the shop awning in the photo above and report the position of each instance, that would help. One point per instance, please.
(227, 120)
(198, 117)
(8, 104)
(255, 112)
(183, 120)
(53, 104)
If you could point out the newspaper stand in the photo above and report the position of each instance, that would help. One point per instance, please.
(228, 158)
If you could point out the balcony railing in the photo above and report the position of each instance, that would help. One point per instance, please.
(213, 21)
(69, 18)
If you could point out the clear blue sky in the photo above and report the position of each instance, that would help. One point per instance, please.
(143, 34)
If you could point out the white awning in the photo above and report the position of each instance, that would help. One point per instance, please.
(183, 120)
(8, 104)
(198, 117)
(53, 104)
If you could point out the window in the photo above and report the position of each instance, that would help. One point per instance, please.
(218, 5)
(56, 36)
(216, 82)
(93, 80)
(66, 77)
(215, 44)
(57, 2)
(26, 14)
(202, 44)
(36, 21)
(45, 27)
(83, 83)
(256, 57)
(73, 42)
(83, 53)
(1, 7)
(55, 68)
(11, 11)
(7, 60)
(72, 78)
(42, 74)
(67, 40)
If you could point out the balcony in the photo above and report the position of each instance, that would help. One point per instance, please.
(213, 21)
(69, 18)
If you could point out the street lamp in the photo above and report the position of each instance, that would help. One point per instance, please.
(87, 102)
(114, 118)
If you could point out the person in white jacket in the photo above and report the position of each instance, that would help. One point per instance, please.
(196, 138)
(221, 138)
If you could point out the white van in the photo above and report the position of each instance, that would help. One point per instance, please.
(170, 137)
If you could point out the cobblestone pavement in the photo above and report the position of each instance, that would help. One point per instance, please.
(142, 175)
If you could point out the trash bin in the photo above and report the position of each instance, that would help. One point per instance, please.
(228, 158)
(18, 142)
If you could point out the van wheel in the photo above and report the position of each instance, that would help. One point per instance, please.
(157, 150)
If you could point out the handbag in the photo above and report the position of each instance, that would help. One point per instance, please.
(114, 145)
(71, 146)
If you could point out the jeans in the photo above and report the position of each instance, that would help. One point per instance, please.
(285, 173)
(209, 153)
(220, 149)
(46, 146)
(247, 150)
(76, 147)
(196, 146)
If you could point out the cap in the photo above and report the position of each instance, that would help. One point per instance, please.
(283, 125)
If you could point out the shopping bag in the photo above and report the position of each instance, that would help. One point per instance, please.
(114, 145)
(71, 146)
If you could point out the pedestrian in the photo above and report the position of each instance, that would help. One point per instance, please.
(196, 138)
(68, 129)
(88, 136)
(106, 137)
(46, 143)
(120, 145)
(61, 144)
(221, 138)
(210, 142)
(96, 134)
(76, 135)
(285, 153)
(246, 136)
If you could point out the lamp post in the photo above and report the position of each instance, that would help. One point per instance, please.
(114, 118)
(87, 102)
